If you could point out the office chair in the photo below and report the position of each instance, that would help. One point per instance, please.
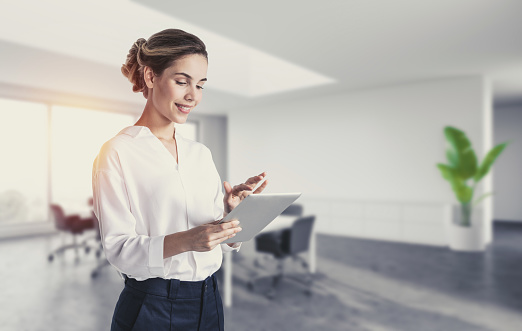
(295, 210)
(73, 224)
(284, 244)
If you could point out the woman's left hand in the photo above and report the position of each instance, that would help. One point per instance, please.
(234, 195)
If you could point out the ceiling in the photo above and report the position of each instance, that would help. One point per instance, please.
(363, 44)
(354, 44)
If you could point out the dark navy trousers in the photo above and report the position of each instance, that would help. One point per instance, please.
(169, 304)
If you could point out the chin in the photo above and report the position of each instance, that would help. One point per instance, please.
(180, 120)
(177, 118)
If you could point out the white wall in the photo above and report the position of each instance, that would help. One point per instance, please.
(28, 67)
(213, 134)
(508, 167)
(376, 146)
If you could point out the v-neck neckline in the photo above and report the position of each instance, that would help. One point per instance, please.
(176, 159)
(176, 142)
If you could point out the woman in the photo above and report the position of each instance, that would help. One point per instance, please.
(158, 196)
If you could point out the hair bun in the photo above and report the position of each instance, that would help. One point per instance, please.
(158, 53)
(133, 67)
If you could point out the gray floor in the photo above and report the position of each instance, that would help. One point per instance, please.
(361, 285)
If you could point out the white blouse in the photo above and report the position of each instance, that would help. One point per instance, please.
(142, 194)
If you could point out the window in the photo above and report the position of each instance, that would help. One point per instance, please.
(77, 136)
(48, 153)
(24, 175)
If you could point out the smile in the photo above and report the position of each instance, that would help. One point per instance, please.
(184, 108)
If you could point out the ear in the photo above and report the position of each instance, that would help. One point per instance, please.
(148, 75)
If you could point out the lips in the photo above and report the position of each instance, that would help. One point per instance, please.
(185, 109)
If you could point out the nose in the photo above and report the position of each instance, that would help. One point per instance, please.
(190, 94)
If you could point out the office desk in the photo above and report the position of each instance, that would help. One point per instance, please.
(281, 222)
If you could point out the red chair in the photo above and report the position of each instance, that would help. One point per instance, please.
(74, 225)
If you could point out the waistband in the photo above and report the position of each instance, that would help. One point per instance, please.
(173, 288)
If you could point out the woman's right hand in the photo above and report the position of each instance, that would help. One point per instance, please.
(206, 237)
(202, 238)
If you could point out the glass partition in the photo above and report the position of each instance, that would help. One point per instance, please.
(24, 162)
(35, 136)
(76, 138)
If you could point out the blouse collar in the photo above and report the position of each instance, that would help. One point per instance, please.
(136, 131)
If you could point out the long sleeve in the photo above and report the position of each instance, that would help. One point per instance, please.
(141, 194)
(132, 254)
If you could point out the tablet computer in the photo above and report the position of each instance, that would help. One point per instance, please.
(256, 211)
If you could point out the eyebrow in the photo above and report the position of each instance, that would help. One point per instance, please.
(188, 76)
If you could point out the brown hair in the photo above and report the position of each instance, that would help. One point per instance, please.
(159, 53)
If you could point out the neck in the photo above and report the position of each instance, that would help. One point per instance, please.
(158, 124)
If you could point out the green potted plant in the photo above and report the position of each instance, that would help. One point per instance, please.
(464, 172)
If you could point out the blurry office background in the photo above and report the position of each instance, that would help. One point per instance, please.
(344, 101)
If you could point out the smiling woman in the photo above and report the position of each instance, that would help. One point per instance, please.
(177, 92)
(158, 196)
(158, 53)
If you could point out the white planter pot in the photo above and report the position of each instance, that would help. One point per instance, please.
(464, 238)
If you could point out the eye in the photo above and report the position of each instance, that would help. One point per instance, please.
(181, 83)
(200, 87)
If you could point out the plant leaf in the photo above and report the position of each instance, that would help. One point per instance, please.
(462, 157)
(446, 171)
(453, 158)
(482, 197)
(488, 161)
(463, 192)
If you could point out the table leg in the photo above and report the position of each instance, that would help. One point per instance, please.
(227, 282)
(312, 254)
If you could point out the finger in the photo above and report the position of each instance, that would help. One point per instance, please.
(244, 194)
(262, 175)
(223, 222)
(256, 179)
(223, 235)
(226, 225)
(216, 242)
(240, 188)
(230, 230)
(261, 188)
(227, 186)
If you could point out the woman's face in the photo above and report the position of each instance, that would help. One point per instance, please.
(179, 89)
